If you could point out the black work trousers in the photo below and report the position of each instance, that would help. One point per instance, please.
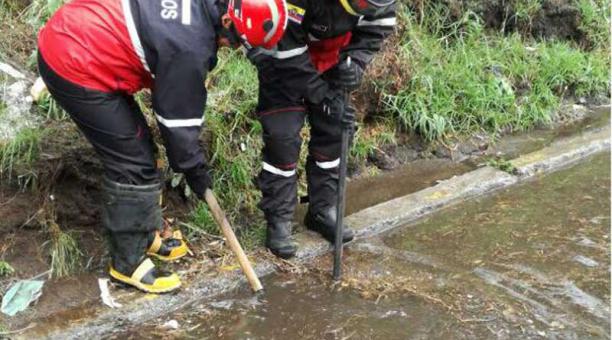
(282, 114)
(113, 123)
(115, 126)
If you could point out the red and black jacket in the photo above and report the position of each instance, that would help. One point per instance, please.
(319, 34)
(126, 45)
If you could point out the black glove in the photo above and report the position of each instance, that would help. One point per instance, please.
(346, 74)
(199, 180)
(336, 109)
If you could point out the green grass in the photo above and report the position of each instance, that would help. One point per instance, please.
(63, 250)
(18, 156)
(595, 22)
(467, 79)
(2, 105)
(501, 164)
(234, 143)
(50, 109)
(6, 269)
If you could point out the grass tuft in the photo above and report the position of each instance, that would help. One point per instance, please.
(50, 109)
(64, 252)
(6, 269)
(18, 155)
(470, 80)
(502, 164)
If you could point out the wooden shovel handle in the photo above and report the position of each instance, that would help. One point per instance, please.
(232, 241)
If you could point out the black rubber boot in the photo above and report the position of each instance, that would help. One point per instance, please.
(131, 213)
(324, 223)
(278, 239)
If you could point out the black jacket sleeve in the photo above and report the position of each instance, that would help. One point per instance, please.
(179, 98)
(368, 36)
(179, 44)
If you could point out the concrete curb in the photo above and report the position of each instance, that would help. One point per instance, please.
(368, 222)
(562, 153)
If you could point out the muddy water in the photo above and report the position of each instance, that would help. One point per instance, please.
(532, 261)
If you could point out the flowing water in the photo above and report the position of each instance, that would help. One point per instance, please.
(532, 261)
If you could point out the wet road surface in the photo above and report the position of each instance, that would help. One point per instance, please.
(531, 261)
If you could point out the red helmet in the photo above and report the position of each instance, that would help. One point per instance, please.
(260, 23)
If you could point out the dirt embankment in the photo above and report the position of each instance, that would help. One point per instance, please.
(559, 19)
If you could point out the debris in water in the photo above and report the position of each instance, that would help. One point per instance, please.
(171, 324)
(225, 304)
(586, 261)
(21, 295)
(107, 298)
(391, 313)
(586, 242)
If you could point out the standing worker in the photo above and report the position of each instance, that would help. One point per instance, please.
(324, 52)
(95, 54)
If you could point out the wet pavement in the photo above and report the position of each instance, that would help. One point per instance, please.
(531, 261)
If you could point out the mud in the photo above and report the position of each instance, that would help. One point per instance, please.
(503, 266)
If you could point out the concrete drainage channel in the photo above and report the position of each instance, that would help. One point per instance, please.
(366, 223)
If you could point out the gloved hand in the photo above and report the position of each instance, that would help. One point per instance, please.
(199, 180)
(346, 74)
(335, 107)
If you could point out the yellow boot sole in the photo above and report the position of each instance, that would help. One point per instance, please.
(161, 285)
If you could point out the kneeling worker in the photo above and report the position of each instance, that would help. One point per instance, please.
(95, 54)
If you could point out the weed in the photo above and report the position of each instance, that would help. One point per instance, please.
(525, 11)
(64, 251)
(39, 11)
(17, 156)
(6, 269)
(202, 221)
(595, 22)
(370, 138)
(234, 142)
(2, 105)
(468, 80)
(63, 248)
(501, 164)
(51, 109)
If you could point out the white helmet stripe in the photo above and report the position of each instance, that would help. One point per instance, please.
(275, 19)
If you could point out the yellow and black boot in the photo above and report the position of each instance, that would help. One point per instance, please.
(147, 278)
(167, 249)
(130, 214)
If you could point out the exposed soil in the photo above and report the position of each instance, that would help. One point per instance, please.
(559, 19)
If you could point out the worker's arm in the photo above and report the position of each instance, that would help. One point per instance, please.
(179, 99)
(368, 36)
